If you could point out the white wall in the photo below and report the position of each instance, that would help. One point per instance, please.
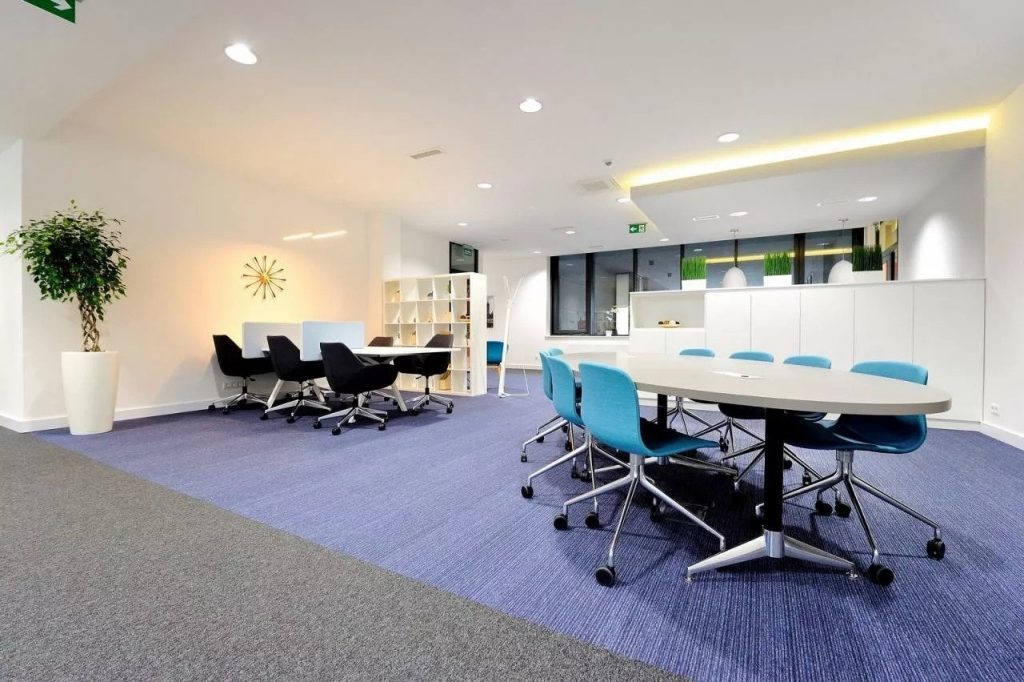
(943, 237)
(188, 231)
(11, 372)
(423, 253)
(1004, 266)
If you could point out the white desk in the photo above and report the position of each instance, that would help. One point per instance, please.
(389, 353)
(777, 388)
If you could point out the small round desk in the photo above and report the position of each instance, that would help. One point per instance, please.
(777, 388)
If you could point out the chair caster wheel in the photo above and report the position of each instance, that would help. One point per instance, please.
(243, 402)
(211, 408)
(561, 522)
(565, 429)
(842, 509)
(822, 508)
(723, 445)
(567, 446)
(787, 463)
(527, 491)
(541, 439)
(449, 409)
(574, 474)
(336, 431)
(605, 576)
(522, 458)
(880, 574)
(656, 514)
(264, 417)
(290, 420)
(592, 520)
(936, 549)
(226, 410)
(416, 412)
(382, 426)
(806, 480)
(317, 424)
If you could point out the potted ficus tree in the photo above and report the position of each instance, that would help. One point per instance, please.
(694, 271)
(73, 257)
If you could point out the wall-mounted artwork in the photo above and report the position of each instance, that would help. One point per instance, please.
(263, 278)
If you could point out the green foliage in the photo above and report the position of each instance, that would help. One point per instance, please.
(867, 258)
(72, 257)
(694, 267)
(777, 263)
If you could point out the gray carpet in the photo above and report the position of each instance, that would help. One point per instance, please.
(106, 576)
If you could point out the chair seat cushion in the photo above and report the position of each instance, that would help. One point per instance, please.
(369, 378)
(666, 442)
(869, 434)
(742, 411)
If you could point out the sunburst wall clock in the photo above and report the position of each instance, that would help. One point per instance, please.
(263, 279)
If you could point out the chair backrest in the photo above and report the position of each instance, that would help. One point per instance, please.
(563, 390)
(546, 370)
(904, 433)
(698, 352)
(818, 361)
(755, 355)
(340, 364)
(284, 355)
(437, 363)
(611, 408)
(381, 341)
(229, 355)
(495, 350)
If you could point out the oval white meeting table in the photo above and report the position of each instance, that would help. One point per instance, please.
(776, 387)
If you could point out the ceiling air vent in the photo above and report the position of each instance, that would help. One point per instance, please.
(605, 184)
(426, 154)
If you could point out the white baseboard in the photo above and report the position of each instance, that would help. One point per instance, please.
(125, 414)
(1003, 434)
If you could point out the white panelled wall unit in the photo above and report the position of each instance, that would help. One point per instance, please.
(939, 324)
(416, 308)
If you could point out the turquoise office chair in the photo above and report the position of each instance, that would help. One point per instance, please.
(611, 413)
(495, 358)
(566, 393)
(683, 412)
(556, 422)
(885, 434)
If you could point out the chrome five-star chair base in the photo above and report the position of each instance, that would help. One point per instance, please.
(774, 544)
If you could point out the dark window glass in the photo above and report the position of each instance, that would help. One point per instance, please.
(822, 250)
(657, 268)
(461, 258)
(569, 277)
(719, 257)
(751, 255)
(609, 295)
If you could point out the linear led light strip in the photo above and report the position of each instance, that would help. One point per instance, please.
(819, 147)
(760, 256)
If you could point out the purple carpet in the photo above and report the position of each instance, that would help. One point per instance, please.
(436, 498)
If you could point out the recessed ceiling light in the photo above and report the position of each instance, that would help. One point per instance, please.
(530, 106)
(867, 199)
(831, 202)
(570, 231)
(663, 239)
(728, 137)
(295, 237)
(462, 224)
(241, 53)
(738, 214)
(328, 235)
(623, 200)
(538, 252)
(699, 218)
(484, 185)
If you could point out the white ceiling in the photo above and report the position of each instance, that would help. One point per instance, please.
(789, 203)
(346, 90)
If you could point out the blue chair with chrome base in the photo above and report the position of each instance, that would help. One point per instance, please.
(611, 413)
(496, 359)
(883, 434)
(682, 412)
(556, 422)
(566, 394)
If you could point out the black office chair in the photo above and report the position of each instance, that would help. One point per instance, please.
(378, 342)
(347, 375)
(428, 365)
(232, 364)
(289, 366)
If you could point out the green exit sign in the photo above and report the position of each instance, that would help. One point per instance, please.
(637, 228)
(65, 9)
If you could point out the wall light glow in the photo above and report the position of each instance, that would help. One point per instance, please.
(328, 235)
(296, 237)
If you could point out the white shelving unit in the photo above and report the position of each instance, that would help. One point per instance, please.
(417, 308)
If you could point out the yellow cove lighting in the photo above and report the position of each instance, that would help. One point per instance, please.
(817, 147)
(837, 251)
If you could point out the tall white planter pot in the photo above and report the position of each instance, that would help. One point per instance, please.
(778, 280)
(694, 284)
(868, 276)
(90, 390)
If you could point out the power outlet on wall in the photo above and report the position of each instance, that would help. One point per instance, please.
(233, 383)
(994, 409)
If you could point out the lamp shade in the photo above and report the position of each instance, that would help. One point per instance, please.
(841, 273)
(733, 278)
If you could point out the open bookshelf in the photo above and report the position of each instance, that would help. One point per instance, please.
(416, 308)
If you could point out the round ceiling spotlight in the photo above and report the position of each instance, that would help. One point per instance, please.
(538, 252)
(726, 138)
(865, 200)
(738, 214)
(530, 106)
(241, 53)
(570, 231)
(663, 239)
(623, 200)
(462, 224)
(484, 185)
